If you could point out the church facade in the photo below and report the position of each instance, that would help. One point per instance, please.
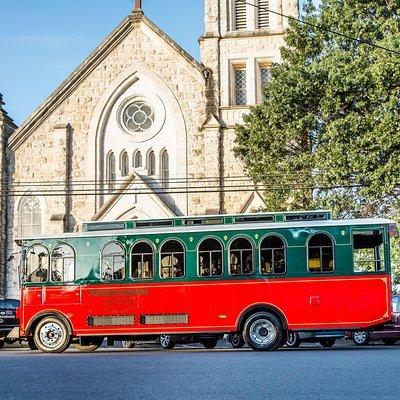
(140, 129)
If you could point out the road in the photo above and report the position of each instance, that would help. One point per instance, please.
(310, 372)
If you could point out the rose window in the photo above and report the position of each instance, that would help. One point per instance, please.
(138, 116)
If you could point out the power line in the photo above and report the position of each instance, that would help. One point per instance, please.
(182, 190)
(322, 28)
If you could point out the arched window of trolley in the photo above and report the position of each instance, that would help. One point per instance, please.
(112, 266)
(172, 260)
(210, 258)
(241, 257)
(142, 265)
(63, 263)
(272, 256)
(37, 264)
(320, 254)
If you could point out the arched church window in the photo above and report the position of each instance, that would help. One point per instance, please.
(151, 163)
(124, 163)
(137, 159)
(30, 216)
(240, 14)
(263, 14)
(111, 171)
(164, 163)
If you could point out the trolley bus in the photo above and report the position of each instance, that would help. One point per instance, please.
(261, 275)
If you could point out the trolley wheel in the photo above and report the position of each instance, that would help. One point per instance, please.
(328, 342)
(31, 343)
(167, 342)
(128, 344)
(236, 340)
(51, 335)
(389, 342)
(95, 343)
(293, 340)
(1, 343)
(361, 338)
(209, 343)
(263, 331)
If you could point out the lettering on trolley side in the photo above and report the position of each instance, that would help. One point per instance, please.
(121, 292)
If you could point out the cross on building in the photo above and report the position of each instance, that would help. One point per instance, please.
(138, 4)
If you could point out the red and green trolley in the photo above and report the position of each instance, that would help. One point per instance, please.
(261, 275)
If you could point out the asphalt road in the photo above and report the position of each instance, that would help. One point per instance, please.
(310, 372)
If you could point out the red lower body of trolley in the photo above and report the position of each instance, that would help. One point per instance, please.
(210, 306)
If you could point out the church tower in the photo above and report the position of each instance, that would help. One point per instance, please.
(242, 39)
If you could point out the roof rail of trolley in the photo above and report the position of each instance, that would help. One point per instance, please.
(223, 219)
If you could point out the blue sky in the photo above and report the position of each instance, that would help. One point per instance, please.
(42, 41)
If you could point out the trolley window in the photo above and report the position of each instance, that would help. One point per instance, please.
(320, 254)
(37, 264)
(172, 260)
(368, 251)
(210, 258)
(241, 257)
(112, 262)
(272, 253)
(63, 264)
(142, 261)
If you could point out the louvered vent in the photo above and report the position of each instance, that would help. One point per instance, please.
(164, 319)
(263, 14)
(111, 320)
(240, 14)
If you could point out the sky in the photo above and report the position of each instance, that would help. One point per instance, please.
(43, 41)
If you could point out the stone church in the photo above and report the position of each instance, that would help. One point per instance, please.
(140, 129)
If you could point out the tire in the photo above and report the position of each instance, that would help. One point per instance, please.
(31, 344)
(167, 342)
(389, 342)
(263, 331)
(328, 342)
(52, 335)
(209, 343)
(95, 343)
(1, 344)
(361, 338)
(128, 344)
(293, 341)
(236, 340)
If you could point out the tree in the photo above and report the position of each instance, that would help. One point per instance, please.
(327, 132)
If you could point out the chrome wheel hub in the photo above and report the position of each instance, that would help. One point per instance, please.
(360, 337)
(291, 338)
(51, 335)
(263, 332)
(165, 340)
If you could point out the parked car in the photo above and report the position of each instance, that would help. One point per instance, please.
(8, 319)
(169, 341)
(388, 334)
(324, 338)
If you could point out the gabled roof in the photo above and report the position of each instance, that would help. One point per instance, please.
(133, 180)
(69, 85)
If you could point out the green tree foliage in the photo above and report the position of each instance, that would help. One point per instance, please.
(327, 133)
(330, 117)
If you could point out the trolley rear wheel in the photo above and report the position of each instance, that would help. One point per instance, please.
(263, 331)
